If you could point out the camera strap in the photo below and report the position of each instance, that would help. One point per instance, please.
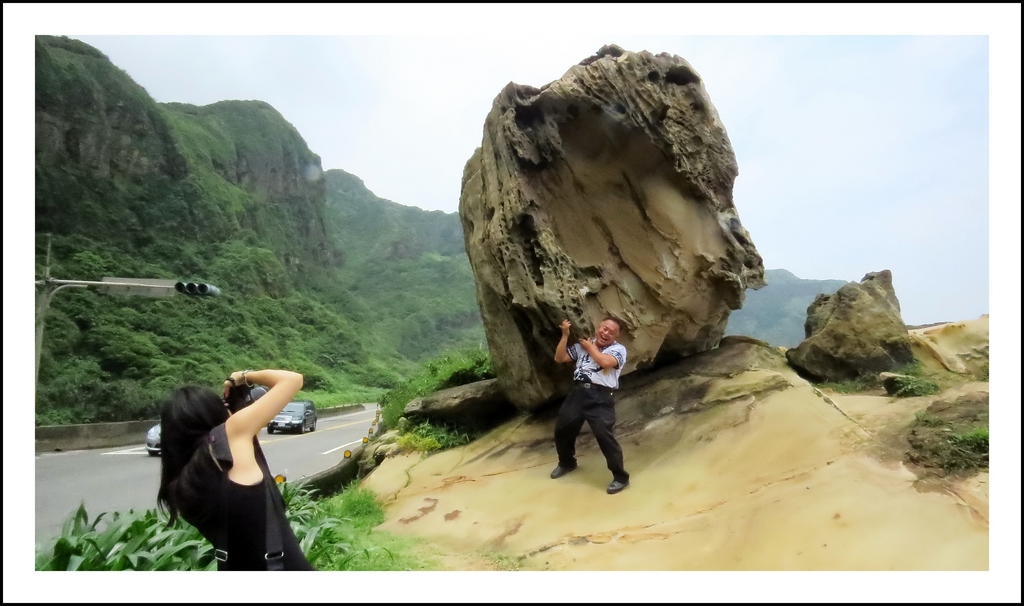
(275, 513)
(274, 507)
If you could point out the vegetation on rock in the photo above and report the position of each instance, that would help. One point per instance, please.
(448, 370)
(951, 436)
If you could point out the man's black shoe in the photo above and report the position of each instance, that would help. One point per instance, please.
(560, 471)
(615, 486)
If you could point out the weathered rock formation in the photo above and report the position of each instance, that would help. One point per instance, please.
(856, 331)
(739, 368)
(606, 192)
(960, 347)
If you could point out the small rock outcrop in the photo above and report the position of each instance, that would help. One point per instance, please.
(856, 331)
(739, 368)
(478, 405)
(606, 192)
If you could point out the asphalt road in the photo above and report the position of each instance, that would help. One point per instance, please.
(119, 479)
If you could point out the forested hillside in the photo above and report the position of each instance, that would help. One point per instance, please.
(408, 265)
(228, 194)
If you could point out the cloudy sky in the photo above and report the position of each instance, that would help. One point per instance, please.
(856, 152)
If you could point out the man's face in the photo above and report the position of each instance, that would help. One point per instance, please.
(607, 332)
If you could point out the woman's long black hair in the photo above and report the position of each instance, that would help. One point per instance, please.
(187, 471)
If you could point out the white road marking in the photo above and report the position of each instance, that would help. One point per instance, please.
(125, 451)
(342, 446)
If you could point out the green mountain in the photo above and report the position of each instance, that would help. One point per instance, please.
(776, 313)
(228, 194)
(408, 265)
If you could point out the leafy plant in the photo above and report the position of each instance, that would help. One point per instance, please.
(126, 541)
(336, 532)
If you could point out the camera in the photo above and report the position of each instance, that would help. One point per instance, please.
(239, 396)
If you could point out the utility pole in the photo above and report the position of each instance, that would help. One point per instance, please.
(145, 287)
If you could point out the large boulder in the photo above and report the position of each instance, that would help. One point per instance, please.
(856, 331)
(606, 192)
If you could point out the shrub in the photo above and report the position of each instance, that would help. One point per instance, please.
(975, 441)
(428, 437)
(914, 386)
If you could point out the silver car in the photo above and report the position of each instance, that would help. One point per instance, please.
(153, 441)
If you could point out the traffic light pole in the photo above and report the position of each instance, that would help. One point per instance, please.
(48, 287)
(43, 299)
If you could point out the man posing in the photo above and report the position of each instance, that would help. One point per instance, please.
(598, 364)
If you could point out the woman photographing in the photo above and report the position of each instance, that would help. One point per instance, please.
(215, 476)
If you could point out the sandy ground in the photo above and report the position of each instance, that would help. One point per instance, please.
(793, 480)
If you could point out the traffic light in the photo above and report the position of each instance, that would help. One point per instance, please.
(197, 289)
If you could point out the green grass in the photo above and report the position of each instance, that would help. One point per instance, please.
(430, 437)
(927, 419)
(918, 381)
(907, 387)
(974, 441)
(858, 385)
(952, 437)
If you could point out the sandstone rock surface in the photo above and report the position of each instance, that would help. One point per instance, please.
(606, 192)
(960, 347)
(854, 332)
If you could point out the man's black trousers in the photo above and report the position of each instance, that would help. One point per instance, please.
(596, 407)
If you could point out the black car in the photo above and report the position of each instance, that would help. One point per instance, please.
(297, 416)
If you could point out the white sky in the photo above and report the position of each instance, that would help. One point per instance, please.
(896, 151)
